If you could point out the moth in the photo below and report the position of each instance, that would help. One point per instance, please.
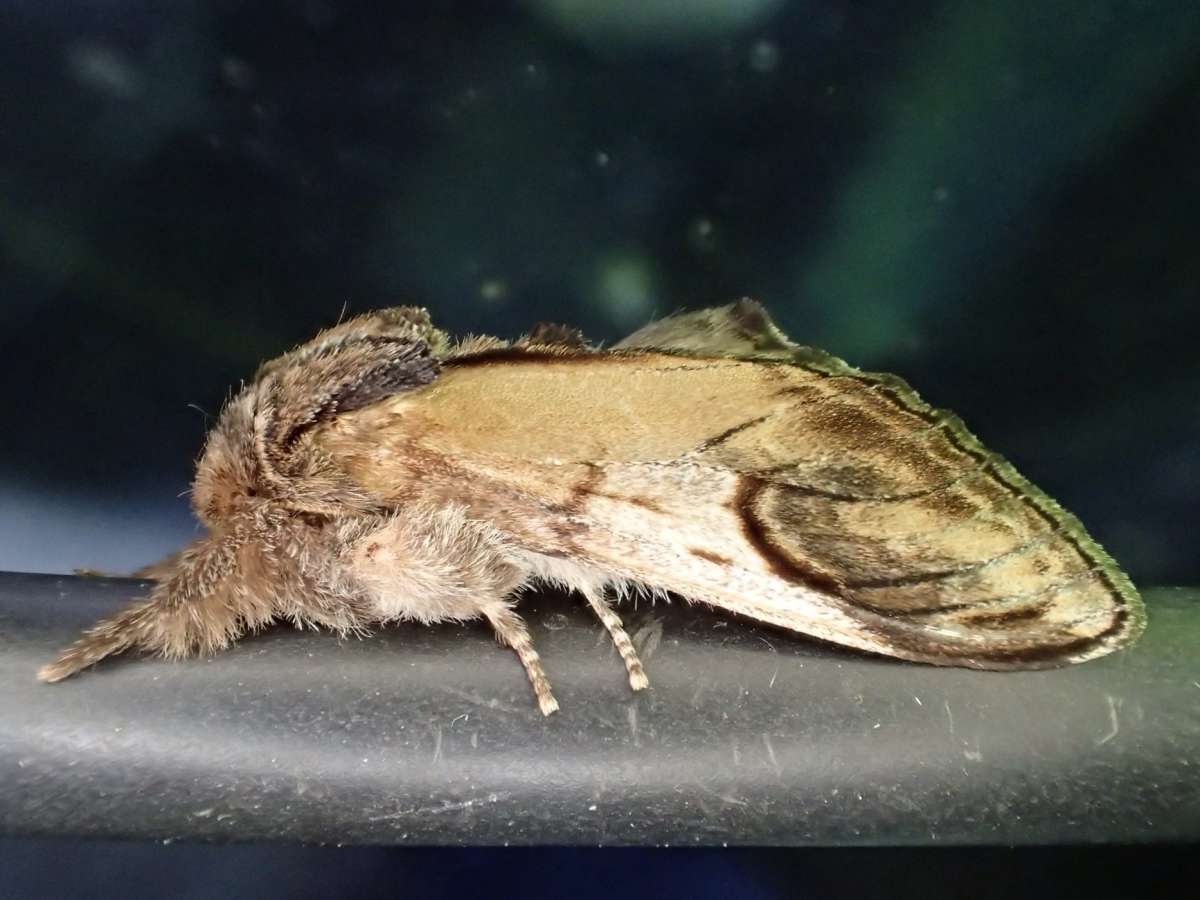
(384, 471)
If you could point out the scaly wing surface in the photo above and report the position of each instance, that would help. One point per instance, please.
(710, 456)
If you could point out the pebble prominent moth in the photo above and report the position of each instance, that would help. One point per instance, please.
(383, 471)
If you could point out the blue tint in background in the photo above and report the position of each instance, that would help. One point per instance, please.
(996, 200)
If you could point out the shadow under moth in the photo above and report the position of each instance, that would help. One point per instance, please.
(384, 472)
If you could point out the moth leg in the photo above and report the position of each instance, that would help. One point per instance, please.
(432, 565)
(604, 611)
(511, 630)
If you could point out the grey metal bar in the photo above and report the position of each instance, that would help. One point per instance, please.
(429, 735)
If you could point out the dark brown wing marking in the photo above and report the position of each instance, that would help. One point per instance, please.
(940, 594)
(710, 556)
(847, 482)
(791, 566)
(841, 527)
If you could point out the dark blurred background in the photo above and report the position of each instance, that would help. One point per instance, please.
(997, 200)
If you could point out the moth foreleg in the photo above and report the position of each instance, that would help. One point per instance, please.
(633, 665)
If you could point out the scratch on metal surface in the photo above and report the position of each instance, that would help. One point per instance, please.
(632, 716)
(648, 637)
(437, 744)
(771, 647)
(950, 716)
(1114, 721)
(472, 697)
(771, 754)
(724, 798)
(444, 807)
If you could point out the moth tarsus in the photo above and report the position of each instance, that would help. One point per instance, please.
(385, 472)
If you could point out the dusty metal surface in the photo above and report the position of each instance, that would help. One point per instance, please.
(748, 736)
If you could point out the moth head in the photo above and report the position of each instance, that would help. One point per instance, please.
(261, 448)
(228, 478)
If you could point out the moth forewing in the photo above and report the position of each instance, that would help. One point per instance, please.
(383, 472)
(801, 493)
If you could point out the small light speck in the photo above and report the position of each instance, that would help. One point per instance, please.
(535, 75)
(601, 158)
(625, 286)
(702, 234)
(105, 70)
(764, 56)
(237, 73)
(494, 290)
(592, 808)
